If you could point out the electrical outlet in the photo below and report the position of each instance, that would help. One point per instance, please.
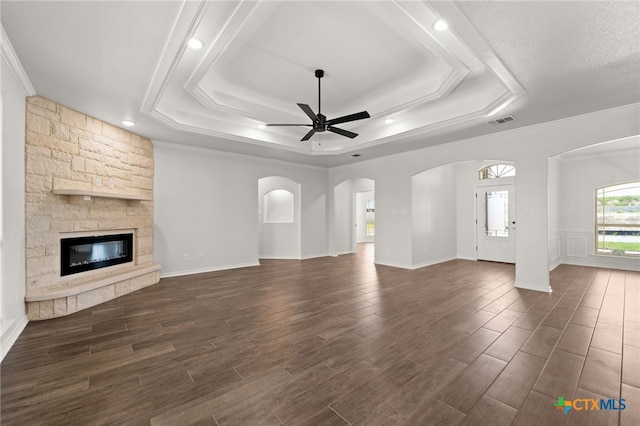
(200, 256)
(112, 184)
(185, 256)
(98, 182)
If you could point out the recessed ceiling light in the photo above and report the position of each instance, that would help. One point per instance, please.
(262, 126)
(388, 120)
(194, 43)
(440, 25)
(129, 123)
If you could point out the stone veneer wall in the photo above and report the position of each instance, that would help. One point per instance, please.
(66, 149)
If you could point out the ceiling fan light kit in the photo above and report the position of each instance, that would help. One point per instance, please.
(319, 122)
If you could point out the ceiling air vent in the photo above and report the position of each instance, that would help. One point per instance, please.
(503, 120)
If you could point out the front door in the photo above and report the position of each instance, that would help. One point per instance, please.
(496, 223)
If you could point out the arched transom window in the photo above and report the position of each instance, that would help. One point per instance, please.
(496, 171)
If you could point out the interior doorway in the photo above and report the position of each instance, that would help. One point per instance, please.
(496, 223)
(365, 217)
(354, 214)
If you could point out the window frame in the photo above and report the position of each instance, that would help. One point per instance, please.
(370, 207)
(598, 224)
(508, 170)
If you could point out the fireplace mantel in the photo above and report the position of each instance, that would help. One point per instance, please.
(85, 193)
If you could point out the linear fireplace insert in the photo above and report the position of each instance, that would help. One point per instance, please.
(82, 254)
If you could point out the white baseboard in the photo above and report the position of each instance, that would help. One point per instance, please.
(393, 265)
(419, 265)
(596, 263)
(205, 270)
(305, 257)
(314, 256)
(474, 259)
(535, 287)
(11, 333)
(268, 257)
(555, 264)
(432, 262)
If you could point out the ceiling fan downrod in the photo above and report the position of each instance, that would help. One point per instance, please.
(319, 75)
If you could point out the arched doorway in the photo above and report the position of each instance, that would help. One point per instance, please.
(445, 211)
(578, 183)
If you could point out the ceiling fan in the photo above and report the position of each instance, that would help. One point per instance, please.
(320, 122)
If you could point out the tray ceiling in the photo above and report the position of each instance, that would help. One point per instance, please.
(535, 61)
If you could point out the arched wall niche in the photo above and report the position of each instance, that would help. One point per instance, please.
(278, 206)
(279, 218)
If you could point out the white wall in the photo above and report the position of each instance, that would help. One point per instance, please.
(527, 148)
(279, 240)
(434, 216)
(206, 202)
(466, 182)
(574, 201)
(15, 86)
(393, 218)
(554, 197)
(314, 220)
(343, 217)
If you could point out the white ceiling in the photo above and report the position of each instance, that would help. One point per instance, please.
(537, 61)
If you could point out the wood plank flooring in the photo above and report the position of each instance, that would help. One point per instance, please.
(337, 341)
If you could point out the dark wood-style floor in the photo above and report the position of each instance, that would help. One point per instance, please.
(337, 341)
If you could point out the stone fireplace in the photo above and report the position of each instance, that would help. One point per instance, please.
(88, 183)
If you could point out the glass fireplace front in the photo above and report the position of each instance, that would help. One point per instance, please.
(82, 254)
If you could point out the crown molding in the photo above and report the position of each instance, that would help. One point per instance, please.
(629, 108)
(11, 58)
(633, 108)
(576, 155)
(226, 110)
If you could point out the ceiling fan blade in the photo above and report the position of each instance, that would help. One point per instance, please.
(308, 135)
(351, 117)
(308, 125)
(342, 132)
(307, 110)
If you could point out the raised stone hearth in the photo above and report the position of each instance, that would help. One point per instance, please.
(68, 297)
(83, 175)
